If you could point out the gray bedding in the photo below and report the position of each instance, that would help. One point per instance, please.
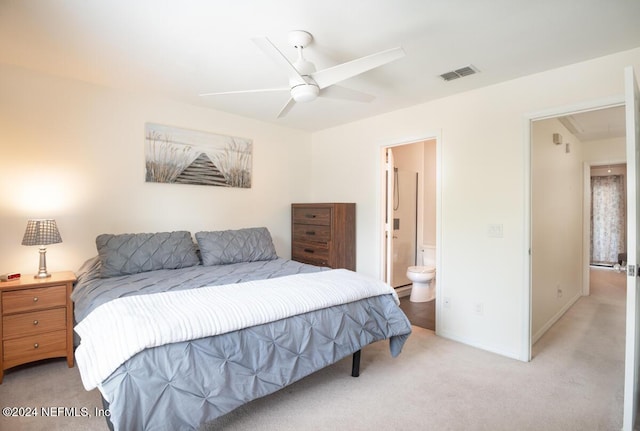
(182, 386)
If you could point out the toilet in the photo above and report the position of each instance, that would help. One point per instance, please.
(423, 277)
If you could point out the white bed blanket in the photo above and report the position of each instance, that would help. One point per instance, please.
(117, 330)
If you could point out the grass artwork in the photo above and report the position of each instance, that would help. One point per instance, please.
(174, 155)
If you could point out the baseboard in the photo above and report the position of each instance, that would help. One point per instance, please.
(554, 319)
(473, 343)
(403, 291)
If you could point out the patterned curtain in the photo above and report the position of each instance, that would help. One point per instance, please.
(608, 219)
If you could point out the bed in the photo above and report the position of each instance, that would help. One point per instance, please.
(176, 333)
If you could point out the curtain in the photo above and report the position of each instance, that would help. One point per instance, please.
(608, 219)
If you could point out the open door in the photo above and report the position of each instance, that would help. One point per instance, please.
(388, 226)
(632, 350)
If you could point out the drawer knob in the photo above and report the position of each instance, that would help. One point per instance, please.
(35, 322)
(308, 250)
(36, 345)
(310, 215)
(310, 232)
(35, 299)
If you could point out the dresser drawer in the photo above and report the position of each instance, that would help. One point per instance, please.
(34, 347)
(35, 322)
(313, 233)
(34, 299)
(315, 254)
(310, 215)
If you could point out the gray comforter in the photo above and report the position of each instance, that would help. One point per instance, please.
(181, 386)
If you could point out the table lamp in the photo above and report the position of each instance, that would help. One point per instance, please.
(41, 232)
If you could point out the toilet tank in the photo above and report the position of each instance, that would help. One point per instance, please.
(428, 255)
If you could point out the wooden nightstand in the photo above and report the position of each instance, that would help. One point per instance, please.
(36, 319)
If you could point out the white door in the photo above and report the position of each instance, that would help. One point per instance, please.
(632, 351)
(388, 226)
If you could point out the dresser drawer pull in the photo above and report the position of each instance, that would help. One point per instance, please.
(35, 322)
(310, 215)
(35, 299)
(36, 345)
(310, 232)
(309, 250)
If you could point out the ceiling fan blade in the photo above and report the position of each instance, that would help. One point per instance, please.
(279, 58)
(332, 75)
(286, 108)
(262, 90)
(338, 92)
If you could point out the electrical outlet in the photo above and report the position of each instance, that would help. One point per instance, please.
(478, 308)
(559, 293)
(447, 302)
(495, 230)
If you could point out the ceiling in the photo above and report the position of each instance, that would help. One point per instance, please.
(181, 48)
(597, 125)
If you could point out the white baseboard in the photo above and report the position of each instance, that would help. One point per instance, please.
(554, 319)
(403, 291)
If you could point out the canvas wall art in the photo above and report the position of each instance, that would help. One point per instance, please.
(182, 156)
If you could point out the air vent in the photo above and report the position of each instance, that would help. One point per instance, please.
(459, 73)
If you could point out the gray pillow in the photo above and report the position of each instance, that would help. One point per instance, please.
(235, 246)
(140, 252)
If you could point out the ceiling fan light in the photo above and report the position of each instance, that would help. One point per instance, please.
(305, 93)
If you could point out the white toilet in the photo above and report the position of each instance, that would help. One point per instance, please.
(423, 277)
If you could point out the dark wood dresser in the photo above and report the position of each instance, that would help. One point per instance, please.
(324, 234)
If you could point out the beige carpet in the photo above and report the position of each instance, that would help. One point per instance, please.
(575, 382)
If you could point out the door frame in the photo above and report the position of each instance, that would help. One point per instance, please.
(380, 223)
(527, 302)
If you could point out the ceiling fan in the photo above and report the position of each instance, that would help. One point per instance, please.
(306, 84)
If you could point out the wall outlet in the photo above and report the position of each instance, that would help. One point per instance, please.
(559, 293)
(447, 302)
(478, 308)
(495, 230)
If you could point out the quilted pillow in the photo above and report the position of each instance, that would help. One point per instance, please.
(140, 252)
(235, 246)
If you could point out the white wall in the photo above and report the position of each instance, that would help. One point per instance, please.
(482, 182)
(605, 151)
(556, 224)
(75, 152)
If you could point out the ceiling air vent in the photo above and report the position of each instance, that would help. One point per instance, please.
(459, 73)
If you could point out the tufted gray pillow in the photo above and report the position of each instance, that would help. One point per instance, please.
(234, 246)
(140, 252)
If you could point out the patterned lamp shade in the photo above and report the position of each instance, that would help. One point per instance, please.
(41, 232)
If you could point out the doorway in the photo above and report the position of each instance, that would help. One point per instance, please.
(564, 148)
(409, 202)
(408, 206)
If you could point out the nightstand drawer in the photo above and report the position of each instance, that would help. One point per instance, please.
(34, 348)
(33, 299)
(36, 322)
(310, 215)
(313, 233)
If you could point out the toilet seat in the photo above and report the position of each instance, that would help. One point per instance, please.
(421, 269)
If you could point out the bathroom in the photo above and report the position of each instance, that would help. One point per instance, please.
(411, 186)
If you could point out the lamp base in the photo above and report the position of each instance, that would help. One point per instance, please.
(42, 270)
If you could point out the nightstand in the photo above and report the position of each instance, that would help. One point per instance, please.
(36, 319)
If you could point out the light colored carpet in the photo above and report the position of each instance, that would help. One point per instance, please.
(575, 382)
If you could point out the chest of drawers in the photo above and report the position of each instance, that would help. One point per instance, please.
(324, 234)
(36, 320)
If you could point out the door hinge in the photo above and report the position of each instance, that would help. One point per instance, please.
(631, 270)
